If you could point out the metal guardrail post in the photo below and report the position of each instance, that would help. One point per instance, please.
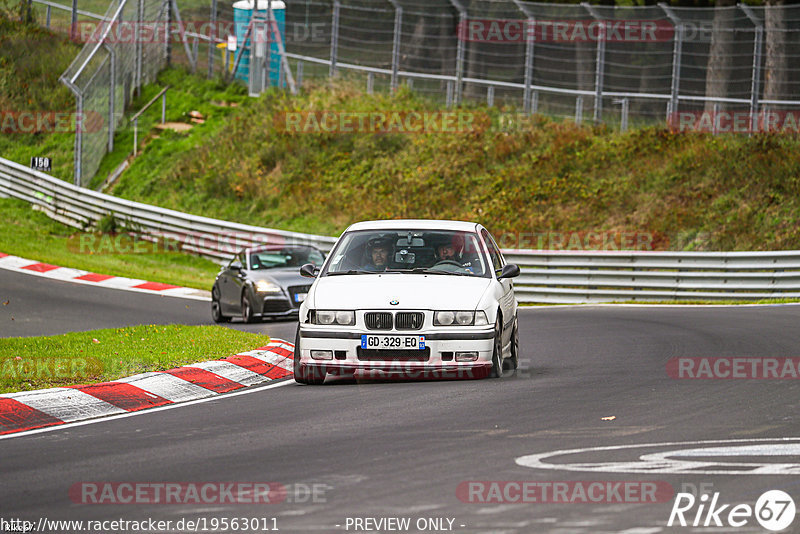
(79, 140)
(334, 37)
(299, 74)
(579, 109)
(47, 17)
(677, 54)
(212, 42)
(755, 82)
(111, 97)
(715, 127)
(139, 48)
(460, 53)
(624, 113)
(530, 39)
(73, 20)
(398, 28)
(490, 96)
(370, 83)
(448, 93)
(600, 63)
(535, 102)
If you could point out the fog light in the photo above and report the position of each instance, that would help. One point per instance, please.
(466, 356)
(321, 354)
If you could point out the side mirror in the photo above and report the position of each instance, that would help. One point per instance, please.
(511, 270)
(309, 271)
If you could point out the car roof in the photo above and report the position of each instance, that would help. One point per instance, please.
(414, 224)
(266, 247)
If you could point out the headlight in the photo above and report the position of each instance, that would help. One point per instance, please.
(342, 317)
(265, 286)
(459, 318)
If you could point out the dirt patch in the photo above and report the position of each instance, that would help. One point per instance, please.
(175, 126)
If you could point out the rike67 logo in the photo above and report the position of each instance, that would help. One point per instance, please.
(774, 510)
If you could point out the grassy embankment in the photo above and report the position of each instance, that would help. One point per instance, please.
(692, 191)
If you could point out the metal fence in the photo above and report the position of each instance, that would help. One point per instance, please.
(547, 276)
(581, 61)
(109, 70)
(619, 65)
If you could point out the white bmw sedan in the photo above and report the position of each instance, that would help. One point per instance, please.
(411, 298)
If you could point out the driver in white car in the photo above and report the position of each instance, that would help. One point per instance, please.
(454, 251)
(378, 252)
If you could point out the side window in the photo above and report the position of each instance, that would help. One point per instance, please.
(494, 252)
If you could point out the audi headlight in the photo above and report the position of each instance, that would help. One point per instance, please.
(265, 286)
(341, 317)
(459, 318)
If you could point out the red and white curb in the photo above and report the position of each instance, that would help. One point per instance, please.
(22, 265)
(48, 407)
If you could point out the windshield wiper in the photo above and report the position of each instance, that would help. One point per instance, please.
(351, 271)
(428, 270)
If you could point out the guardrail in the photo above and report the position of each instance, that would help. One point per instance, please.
(547, 276)
(82, 208)
(604, 276)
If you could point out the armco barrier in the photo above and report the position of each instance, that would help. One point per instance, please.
(79, 207)
(605, 276)
(547, 276)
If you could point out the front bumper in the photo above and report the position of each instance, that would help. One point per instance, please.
(437, 361)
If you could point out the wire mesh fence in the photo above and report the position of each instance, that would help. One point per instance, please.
(620, 65)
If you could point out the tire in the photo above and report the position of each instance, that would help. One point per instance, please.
(302, 374)
(216, 309)
(497, 353)
(247, 309)
(513, 361)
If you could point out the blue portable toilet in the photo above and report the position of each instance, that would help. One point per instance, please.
(242, 12)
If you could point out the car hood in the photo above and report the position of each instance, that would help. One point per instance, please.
(289, 276)
(413, 291)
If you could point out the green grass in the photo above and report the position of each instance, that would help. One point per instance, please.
(28, 363)
(693, 191)
(31, 234)
(31, 60)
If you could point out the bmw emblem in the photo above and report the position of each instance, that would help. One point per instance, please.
(394, 302)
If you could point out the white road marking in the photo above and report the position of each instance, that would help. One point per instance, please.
(671, 461)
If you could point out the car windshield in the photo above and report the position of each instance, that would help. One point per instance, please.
(277, 257)
(408, 251)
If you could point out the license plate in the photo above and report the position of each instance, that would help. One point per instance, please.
(392, 342)
(300, 297)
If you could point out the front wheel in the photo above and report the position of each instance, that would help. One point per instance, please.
(497, 352)
(513, 361)
(216, 307)
(247, 309)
